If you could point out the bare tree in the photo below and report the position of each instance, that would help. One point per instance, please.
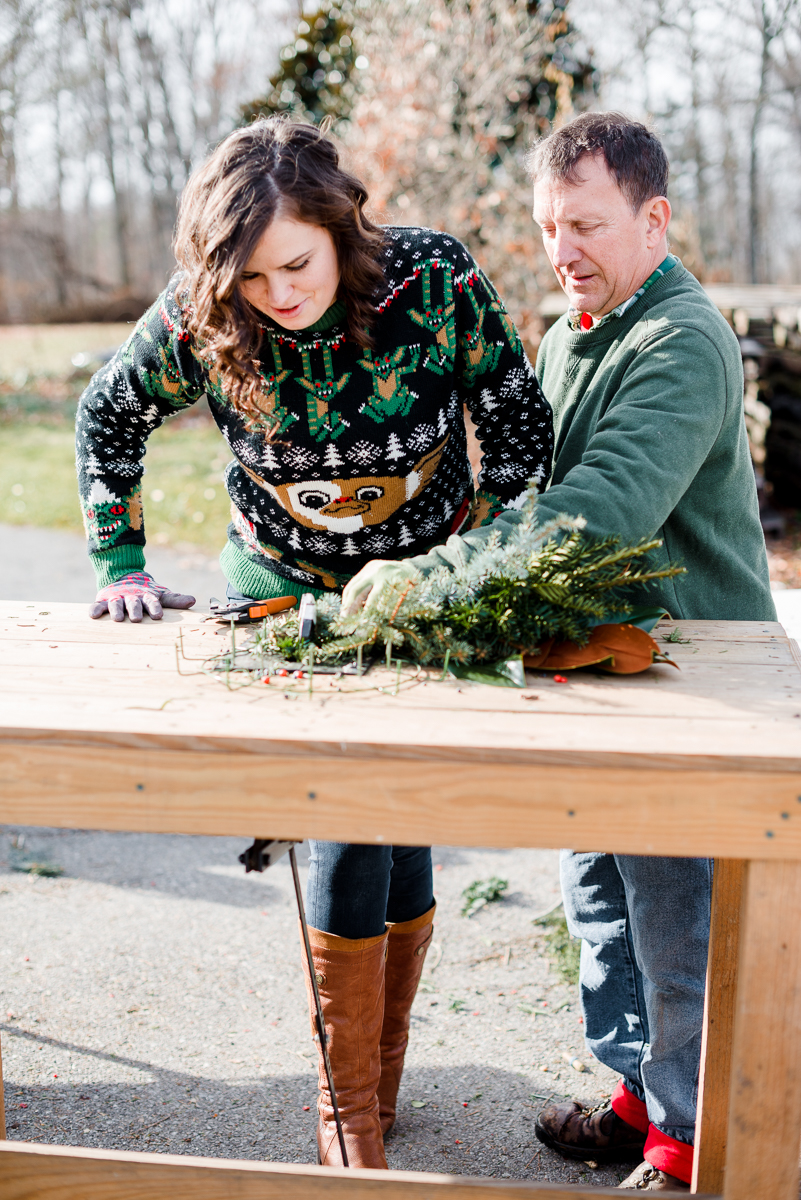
(439, 132)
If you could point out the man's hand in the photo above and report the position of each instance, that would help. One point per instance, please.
(366, 588)
(134, 593)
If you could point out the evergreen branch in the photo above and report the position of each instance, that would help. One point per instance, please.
(544, 581)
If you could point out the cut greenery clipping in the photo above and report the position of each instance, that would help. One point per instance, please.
(481, 892)
(543, 582)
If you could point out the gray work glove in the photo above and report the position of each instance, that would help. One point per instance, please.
(133, 593)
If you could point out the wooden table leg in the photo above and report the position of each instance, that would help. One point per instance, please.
(711, 1126)
(2, 1101)
(765, 1100)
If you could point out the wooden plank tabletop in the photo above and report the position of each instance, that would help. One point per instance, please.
(97, 727)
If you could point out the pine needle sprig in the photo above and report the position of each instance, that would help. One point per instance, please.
(544, 581)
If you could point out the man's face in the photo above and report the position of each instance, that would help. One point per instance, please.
(599, 248)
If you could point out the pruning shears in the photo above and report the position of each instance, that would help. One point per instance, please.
(245, 612)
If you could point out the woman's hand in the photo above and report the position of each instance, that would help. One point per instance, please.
(134, 593)
(366, 588)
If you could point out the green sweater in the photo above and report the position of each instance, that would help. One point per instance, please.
(651, 442)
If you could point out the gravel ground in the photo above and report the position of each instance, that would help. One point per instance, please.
(152, 999)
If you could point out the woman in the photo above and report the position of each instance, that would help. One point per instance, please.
(336, 358)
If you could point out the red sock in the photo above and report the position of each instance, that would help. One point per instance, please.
(630, 1108)
(669, 1155)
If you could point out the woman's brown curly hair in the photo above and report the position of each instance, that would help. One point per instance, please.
(274, 165)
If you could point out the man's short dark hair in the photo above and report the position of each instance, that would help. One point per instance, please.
(633, 154)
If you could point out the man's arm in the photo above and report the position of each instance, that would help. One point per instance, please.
(658, 430)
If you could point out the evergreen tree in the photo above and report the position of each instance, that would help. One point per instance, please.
(566, 78)
(314, 76)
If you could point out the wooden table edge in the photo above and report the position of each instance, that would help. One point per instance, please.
(60, 1172)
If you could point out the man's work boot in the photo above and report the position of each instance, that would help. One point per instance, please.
(350, 980)
(649, 1179)
(591, 1134)
(406, 952)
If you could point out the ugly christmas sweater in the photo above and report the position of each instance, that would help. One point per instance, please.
(370, 454)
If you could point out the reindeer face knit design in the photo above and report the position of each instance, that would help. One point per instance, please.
(370, 456)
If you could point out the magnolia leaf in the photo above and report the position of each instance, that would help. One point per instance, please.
(619, 649)
(643, 618)
(504, 674)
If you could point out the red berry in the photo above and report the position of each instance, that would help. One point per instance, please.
(560, 678)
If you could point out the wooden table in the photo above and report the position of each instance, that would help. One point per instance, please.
(99, 731)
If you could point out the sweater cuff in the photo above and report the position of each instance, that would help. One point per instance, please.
(116, 563)
(257, 582)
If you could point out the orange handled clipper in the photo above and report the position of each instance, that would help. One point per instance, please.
(244, 611)
(268, 608)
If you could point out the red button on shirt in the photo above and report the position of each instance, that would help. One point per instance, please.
(586, 321)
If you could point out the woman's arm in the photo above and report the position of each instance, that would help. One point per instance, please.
(155, 374)
(513, 420)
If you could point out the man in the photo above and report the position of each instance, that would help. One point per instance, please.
(645, 380)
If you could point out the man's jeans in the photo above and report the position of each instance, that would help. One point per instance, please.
(352, 890)
(645, 928)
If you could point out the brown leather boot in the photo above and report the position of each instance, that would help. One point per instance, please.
(597, 1134)
(649, 1179)
(350, 980)
(406, 953)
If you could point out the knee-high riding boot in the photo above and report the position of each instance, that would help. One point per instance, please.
(407, 944)
(350, 980)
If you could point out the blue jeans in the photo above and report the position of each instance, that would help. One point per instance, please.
(352, 891)
(644, 922)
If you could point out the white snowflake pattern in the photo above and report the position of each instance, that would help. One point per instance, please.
(245, 452)
(364, 452)
(299, 458)
(505, 472)
(513, 385)
(421, 437)
(378, 544)
(320, 545)
(431, 525)
(125, 468)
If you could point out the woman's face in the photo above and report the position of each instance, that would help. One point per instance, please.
(292, 276)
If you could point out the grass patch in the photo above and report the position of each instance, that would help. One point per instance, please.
(27, 351)
(563, 949)
(184, 497)
(43, 370)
